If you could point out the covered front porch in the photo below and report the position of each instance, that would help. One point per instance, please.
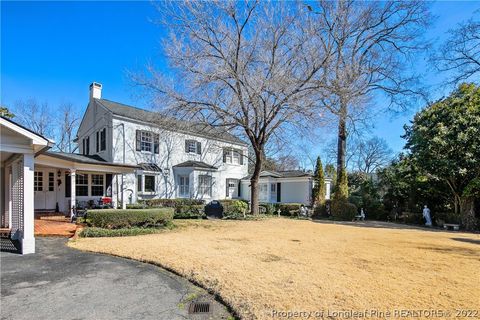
(64, 181)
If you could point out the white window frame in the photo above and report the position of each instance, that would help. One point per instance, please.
(192, 146)
(93, 184)
(77, 177)
(145, 184)
(232, 156)
(205, 183)
(183, 186)
(146, 141)
(38, 181)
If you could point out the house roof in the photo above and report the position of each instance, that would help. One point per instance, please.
(195, 128)
(282, 174)
(195, 164)
(80, 158)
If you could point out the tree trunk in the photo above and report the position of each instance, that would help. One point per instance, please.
(254, 201)
(467, 213)
(342, 185)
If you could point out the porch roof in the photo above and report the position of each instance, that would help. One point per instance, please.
(195, 164)
(81, 162)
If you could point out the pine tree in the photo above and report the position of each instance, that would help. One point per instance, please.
(318, 193)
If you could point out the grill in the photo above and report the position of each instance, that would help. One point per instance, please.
(199, 307)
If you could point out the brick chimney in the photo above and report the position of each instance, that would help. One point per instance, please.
(95, 91)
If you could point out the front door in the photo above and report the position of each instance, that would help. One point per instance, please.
(232, 188)
(44, 189)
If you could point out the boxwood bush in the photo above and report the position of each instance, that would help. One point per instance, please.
(117, 219)
(171, 203)
(189, 212)
(101, 232)
(343, 210)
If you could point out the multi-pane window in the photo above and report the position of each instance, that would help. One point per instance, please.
(51, 181)
(146, 141)
(193, 146)
(38, 181)
(205, 185)
(184, 186)
(81, 184)
(263, 188)
(97, 185)
(149, 183)
(232, 156)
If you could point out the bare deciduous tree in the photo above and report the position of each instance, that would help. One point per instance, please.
(460, 53)
(372, 44)
(69, 119)
(35, 116)
(371, 155)
(246, 66)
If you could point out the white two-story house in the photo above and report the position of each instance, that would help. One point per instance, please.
(174, 159)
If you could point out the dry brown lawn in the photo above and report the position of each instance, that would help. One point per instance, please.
(263, 267)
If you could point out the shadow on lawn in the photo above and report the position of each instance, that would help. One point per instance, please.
(467, 240)
(378, 224)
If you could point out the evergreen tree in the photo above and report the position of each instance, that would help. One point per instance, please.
(318, 193)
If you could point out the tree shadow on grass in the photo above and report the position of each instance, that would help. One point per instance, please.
(474, 241)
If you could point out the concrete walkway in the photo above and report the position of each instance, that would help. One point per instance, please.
(62, 283)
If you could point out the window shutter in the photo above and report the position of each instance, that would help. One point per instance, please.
(103, 139)
(226, 183)
(138, 145)
(83, 146)
(108, 184)
(98, 142)
(239, 188)
(241, 156)
(224, 155)
(186, 145)
(199, 147)
(156, 143)
(68, 185)
(279, 192)
(88, 146)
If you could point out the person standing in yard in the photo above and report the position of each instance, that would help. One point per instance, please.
(426, 216)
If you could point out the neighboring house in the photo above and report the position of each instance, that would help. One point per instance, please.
(174, 159)
(284, 187)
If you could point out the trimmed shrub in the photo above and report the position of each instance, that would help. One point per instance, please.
(93, 232)
(189, 212)
(234, 206)
(136, 206)
(117, 219)
(343, 210)
(172, 203)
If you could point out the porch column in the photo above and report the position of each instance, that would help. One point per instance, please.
(28, 238)
(124, 199)
(73, 197)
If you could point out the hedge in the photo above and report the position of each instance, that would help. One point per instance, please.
(171, 203)
(189, 212)
(117, 219)
(234, 207)
(93, 232)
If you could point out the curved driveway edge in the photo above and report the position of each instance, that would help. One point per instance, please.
(59, 282)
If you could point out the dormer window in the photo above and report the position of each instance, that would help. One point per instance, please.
(193, 146)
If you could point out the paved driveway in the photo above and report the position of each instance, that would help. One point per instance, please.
(62, 283)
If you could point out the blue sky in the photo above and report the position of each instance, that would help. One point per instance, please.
(52, 51)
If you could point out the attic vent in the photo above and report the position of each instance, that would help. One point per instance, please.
(199, 307)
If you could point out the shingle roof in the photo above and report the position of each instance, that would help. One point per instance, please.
(150, 167)
(194, 164)
(80, 158)
(196, 128)
(282, 174)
